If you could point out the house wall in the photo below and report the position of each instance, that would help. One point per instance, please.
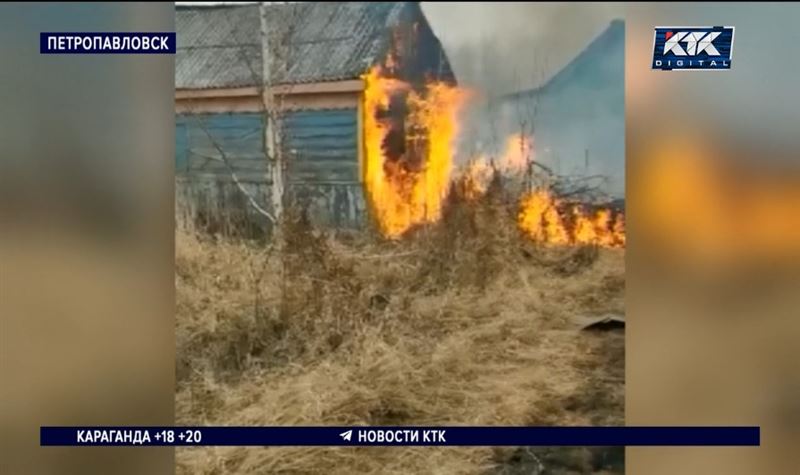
(582, 109)
(331, 95)
(323, 167)
(320, 143)
(579, 132)
(244, 104)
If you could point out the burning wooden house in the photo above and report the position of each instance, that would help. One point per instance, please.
(355, 86)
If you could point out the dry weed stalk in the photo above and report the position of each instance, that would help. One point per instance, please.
(460, 322)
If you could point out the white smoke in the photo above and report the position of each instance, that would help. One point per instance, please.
(500, 47)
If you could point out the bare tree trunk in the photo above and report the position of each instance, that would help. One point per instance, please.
(271, 124)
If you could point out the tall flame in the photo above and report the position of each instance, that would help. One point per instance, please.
(402, 196)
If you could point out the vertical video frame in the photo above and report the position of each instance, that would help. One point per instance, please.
(399, 214)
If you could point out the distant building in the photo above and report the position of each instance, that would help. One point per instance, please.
(317, 72)
(579, 113)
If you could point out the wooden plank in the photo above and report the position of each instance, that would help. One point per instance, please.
(221, 92)
(350, 85)
(321, 168)
(181, 149)
(311, 178)
(218, 105)
(238, 165)
(360, 155)
(210, 178)
(324, 146)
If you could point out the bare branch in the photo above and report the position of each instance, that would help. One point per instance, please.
(224, 158)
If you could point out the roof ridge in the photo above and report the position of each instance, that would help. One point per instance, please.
(592, 44)
(614, 23)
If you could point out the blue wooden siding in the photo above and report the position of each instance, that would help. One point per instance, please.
(323, 169)
(181, 146)
(240, 136)
(320, 146)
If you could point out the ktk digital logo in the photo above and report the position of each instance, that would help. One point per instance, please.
(695, 48)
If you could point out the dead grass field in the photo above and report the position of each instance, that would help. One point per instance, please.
(461, 323)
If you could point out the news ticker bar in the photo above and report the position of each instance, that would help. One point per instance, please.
(401, 436)
(107, 43)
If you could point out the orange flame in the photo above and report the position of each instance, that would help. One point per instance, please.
(405, 190)
(519, 150)
(539, 219)
(619, 229)
(401, 197)
(514, 160)
(476, 178)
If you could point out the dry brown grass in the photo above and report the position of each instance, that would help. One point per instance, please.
(462, 323)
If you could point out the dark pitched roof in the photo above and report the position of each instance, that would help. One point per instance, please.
(610, 41)
(219, 46)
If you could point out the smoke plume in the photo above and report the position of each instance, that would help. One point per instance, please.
(499, 47)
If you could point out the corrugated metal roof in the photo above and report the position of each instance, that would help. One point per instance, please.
(220, 46)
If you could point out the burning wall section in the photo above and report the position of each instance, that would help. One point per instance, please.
(409, 138)
(412, 124)
(410, 145)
